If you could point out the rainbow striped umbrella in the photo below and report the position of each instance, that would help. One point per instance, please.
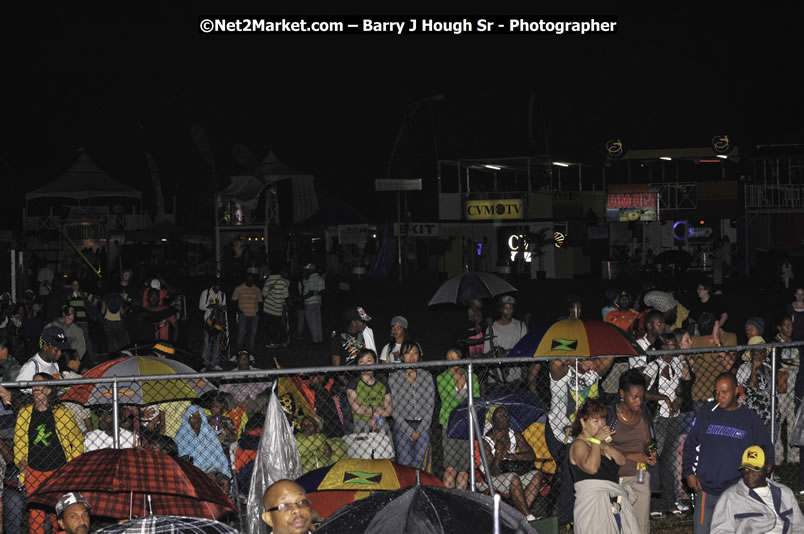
(578, 338)
(138, 392)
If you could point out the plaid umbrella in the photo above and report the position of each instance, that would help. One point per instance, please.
(120, 483)
(169, 524)
(143, 392)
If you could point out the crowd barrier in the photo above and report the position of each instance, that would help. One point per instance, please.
(419, 415)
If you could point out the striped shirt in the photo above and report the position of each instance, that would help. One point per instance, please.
(78, 302)
(313, 283)
(274, 293)
(248, 299)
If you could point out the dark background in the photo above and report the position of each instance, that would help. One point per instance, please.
(121, 84)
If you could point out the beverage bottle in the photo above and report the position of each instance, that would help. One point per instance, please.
(640, 474)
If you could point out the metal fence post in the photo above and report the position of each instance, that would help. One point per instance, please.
(116, 414)
(482, 449)
(773, 397)
(470, 385)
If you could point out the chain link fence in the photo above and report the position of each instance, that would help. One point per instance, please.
(416, 414)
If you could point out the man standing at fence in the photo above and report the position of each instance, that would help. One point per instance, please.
(707, 366)
(720, 433)
(248, 297)
(654, 327)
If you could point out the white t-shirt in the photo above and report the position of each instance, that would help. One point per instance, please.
(98, 439)
(666, 386)
(765, 494)
(635, 362)
(37, 365)
(507, 335)
(394, 353)
(564, 402)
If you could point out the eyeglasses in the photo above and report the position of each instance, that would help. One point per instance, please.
(287, 506)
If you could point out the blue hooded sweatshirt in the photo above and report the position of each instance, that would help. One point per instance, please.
(715, 444)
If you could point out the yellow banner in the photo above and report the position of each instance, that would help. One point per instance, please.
(508, 208)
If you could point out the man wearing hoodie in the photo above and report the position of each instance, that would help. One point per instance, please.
(719, 435)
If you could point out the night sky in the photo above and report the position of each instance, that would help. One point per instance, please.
(120, 86)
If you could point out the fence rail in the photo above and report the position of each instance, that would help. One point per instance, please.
(425, 420)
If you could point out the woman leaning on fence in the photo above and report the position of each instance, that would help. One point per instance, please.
(369, 399)
(595, 465)
(414, 399)
(46, 436)
(452, 389)
(634, 437)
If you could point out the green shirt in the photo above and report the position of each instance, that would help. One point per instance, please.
(368, 395)
(449, 395)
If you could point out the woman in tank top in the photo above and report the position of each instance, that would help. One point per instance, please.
(634, 435)
(595, 464)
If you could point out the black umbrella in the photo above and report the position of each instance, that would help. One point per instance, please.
(425, 510)
(469, 286)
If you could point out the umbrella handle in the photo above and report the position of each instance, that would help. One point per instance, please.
(496, 513)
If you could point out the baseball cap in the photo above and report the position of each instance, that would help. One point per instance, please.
(507, 299)
(69, 499)
(357, 314)
(309, 267)
(753, 458)
(54, 335)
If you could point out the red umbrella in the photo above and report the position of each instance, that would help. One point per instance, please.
(121, 483)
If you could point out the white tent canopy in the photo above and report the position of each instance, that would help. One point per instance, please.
(83, 181)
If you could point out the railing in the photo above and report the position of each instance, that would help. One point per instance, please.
(105, 224)
(764, 197)
(677, 195)
(379, 411)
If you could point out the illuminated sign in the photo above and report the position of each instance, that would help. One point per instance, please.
(516, 244)
(631, 207)
(683, 230)
(614, 147)
(720, 143)
(508, 208)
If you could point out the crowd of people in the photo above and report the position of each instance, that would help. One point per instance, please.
(651, 430)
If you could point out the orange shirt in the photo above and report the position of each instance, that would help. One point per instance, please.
(623, 319)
